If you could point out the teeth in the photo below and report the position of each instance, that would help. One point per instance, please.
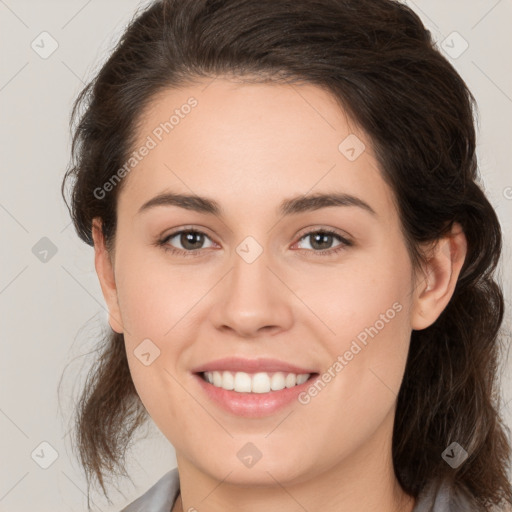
(261, 382)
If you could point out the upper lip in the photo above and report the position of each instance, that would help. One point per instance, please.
(238, 364)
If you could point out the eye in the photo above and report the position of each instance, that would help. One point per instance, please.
(190, 240)
(322, 240)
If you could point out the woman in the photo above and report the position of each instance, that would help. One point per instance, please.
(297, 261)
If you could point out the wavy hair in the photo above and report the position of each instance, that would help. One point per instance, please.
(383, 68)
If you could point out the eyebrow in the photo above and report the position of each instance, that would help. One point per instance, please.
(294, 205)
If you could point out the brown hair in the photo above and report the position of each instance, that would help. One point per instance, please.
(380, 63)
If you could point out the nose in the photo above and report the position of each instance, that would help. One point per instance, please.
(253, 300)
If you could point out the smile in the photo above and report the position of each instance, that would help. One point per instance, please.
(252, 395)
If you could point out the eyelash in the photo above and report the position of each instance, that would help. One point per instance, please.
(194, 253)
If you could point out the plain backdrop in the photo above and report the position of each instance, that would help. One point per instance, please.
(52, 310)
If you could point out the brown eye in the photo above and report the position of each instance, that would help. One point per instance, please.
(321, 241)
(191, 241)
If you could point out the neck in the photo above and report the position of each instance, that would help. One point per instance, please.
(401, 503)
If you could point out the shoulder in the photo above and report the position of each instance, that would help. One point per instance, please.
(158, 498)
(440, 496)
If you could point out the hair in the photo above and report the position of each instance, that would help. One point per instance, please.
(378, 61)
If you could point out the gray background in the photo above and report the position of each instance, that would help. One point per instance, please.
(52, 311)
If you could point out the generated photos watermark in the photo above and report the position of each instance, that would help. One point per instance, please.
(355, 348)
(157, 135)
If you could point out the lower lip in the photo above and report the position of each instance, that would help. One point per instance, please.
(252, 405)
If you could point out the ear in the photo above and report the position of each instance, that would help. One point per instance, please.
(434, 289)
(106, 276)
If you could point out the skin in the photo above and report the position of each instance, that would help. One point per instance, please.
(249, 146)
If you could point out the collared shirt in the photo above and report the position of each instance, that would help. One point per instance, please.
(162, 495)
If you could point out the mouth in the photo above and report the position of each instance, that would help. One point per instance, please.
(260, 382)
(253, 388)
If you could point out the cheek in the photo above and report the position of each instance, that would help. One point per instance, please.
(367, 312)
(365, 365)
(155, 297)
(161, 394)
(369, 297)
(157, 309)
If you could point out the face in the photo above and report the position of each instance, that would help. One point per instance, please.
(323, 289)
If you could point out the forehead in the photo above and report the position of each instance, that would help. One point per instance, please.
(250, 146)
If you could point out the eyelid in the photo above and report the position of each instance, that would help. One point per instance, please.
(318, 227)
(187, 227)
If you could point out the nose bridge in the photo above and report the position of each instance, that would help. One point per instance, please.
(250, 268)
(252, 297)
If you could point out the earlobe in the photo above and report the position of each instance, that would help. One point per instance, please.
(106, 276)
(434, 289)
